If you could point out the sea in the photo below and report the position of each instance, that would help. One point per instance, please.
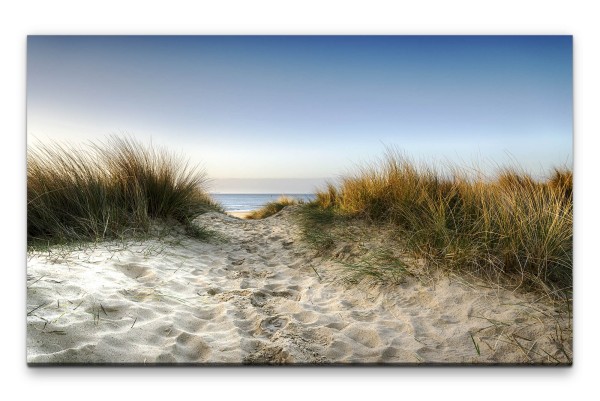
(248, 202)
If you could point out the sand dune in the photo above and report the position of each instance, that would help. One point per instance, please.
(254, 296)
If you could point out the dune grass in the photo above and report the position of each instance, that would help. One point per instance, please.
(510, 229)
(272, 208)
(109, 189)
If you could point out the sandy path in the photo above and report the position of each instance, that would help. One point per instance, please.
(254, 297)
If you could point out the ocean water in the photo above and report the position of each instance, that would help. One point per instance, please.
(247, 202)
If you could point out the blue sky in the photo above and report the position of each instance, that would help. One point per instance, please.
(309, 107)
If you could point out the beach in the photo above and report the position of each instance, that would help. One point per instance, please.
(257, 294)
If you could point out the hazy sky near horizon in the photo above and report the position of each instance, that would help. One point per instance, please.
(309, 106)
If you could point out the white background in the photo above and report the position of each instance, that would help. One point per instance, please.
(18, 19)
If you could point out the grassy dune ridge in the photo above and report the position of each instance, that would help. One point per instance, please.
(510, 229)
(108, 189)
(272, 208)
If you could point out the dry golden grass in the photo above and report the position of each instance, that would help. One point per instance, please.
(272, 207)
(511, 229)
(108, 189)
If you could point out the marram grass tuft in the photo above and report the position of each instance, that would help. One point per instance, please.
(510, 228)
(107, 190)
(272, 208)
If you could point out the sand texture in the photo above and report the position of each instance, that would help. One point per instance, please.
(257, 295)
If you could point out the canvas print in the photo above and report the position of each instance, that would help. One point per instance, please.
(299, 200)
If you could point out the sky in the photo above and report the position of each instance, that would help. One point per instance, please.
(296, 110)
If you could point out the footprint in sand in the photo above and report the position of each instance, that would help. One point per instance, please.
(192, 347)
(292, 295)
(362, 335)
(266, 354)
(273, 324)
(136, 271)
(306, 317)
(258, 299)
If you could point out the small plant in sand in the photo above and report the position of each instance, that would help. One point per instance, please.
(272, 208)
(510, 228)
(108, 190)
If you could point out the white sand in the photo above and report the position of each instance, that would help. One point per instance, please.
(254, 298)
